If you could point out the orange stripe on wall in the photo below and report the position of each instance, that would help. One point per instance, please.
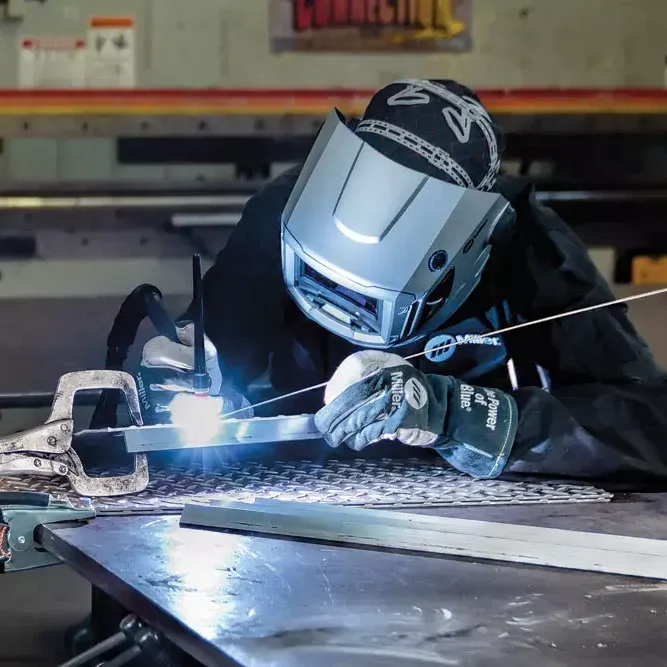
(274, 102)
(552, 94)
(111, 22)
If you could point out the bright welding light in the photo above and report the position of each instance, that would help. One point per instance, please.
(198, 417)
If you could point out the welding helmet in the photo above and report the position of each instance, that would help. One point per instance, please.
(391, 222)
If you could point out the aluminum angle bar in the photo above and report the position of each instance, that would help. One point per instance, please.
(550, 547)
(258, 430)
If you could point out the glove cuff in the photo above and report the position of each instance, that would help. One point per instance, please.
(479, 431)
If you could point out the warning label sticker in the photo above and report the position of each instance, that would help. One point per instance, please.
(110, 61)
(52, 62)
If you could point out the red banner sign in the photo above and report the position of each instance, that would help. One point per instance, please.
(370, 25)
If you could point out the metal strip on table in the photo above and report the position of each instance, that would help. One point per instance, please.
(532, 545)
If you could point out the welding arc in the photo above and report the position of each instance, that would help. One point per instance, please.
(498, 332)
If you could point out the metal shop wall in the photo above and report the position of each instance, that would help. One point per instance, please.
(226, 43)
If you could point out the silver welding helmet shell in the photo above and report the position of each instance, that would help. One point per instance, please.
(378, 253)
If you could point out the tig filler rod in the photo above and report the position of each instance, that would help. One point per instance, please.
(202, 380)
(498, 332)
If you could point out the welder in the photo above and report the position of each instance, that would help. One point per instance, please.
(397, 236)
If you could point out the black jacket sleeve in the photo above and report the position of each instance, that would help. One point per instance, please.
(606, 411)
(244, 291)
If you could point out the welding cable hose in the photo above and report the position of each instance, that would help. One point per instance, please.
(142, 302)
(376, 396)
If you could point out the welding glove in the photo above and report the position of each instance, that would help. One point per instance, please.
(375, 395)
(166, 371)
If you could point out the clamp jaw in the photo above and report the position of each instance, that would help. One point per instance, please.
(47, 449)
(20, 514)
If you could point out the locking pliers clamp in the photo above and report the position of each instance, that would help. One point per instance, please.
(47, 449)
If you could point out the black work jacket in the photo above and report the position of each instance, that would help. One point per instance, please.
(592, 401)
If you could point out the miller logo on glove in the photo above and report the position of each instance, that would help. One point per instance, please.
(376, 395)
(166, 371)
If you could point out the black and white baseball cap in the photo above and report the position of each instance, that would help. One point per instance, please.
(439, 128)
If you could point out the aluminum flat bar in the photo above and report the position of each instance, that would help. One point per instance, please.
(550, 547)
(258, 430)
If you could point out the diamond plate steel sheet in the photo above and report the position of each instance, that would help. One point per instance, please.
(396, 483)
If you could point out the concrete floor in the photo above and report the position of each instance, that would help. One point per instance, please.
(44, 603)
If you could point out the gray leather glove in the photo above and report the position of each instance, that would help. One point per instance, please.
(166, 371)
(376, 395)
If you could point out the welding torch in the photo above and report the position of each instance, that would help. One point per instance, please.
(202, 379)
(167, 327)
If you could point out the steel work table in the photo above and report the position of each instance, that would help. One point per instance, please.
(250, 600)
